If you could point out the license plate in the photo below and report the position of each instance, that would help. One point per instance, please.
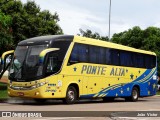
(20, 93)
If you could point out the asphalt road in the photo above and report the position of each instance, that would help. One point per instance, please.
(144, 104)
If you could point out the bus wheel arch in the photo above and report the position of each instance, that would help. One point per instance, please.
(134, 94)
(72, 94)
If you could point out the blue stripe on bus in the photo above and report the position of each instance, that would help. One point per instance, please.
(121, 90)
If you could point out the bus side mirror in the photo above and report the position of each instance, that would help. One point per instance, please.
(5, 61)
(8, 60)
(1, 65)
(44, 53)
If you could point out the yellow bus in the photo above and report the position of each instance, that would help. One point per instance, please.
(72, 67)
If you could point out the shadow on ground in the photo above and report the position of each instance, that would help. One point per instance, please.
(21, 101)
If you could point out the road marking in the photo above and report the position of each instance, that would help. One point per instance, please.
(149, 110)
(59, 118)
(138, 118)
(128, 118)
(154, 109)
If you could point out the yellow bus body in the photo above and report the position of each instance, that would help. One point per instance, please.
(105, 80)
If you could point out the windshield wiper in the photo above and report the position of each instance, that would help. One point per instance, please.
(18, 72)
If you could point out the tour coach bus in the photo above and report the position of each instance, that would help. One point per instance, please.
(72, 67)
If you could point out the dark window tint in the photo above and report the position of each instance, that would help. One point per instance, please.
(74, 55)
(150, 61)
(126, 58)
(83, 53)
(79, 54)
(52, 64)
(153, 61)
(135, 59)
(63, 45)
(93, 54)
(140, 59)
(101, 56)
(115, 57)
(108, 56)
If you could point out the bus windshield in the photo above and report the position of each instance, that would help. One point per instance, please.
(25, 65)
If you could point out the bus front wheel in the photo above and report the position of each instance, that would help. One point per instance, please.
(134, 95)
(71, 95)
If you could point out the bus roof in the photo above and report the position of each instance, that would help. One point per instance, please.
(45, 39)
(101, 43)
(79, 39)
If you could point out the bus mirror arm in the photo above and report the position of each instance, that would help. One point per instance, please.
(5, 61)
(1, 65)
(1, 74)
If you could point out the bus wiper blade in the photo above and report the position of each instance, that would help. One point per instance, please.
(18, 72)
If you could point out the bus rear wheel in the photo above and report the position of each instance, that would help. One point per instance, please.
(71, 95)
(134, 95)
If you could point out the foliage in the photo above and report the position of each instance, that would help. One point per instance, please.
(89, 34)
(28, 20)
(5, 32)
(3, 91)
(158, 93)
(148, 39)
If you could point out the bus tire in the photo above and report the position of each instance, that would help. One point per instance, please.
(71, 95)
(134, 95)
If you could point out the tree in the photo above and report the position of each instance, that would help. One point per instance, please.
(89, 34)
(29, 21)
(132, 37)
(5, 32)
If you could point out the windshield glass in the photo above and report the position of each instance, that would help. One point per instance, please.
(25, 63)
(19, 56)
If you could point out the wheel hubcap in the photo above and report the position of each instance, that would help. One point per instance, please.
(135, 94)
(71, 95)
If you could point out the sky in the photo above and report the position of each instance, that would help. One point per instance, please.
(94, 14)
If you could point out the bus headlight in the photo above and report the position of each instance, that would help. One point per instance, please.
(39, 85)
(34, 86)
(43, 83)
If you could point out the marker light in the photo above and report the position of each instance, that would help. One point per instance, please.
(36, 93)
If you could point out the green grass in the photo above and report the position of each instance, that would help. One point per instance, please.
(3, 91)
(158, 93)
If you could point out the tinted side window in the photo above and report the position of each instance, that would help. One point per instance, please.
(79, 54)
(93, 54)
(108, 56)
(153, 61)
(101, 56)
(134, 59)
(115, 57)
(83, 52)
(63, 45)
(126, 58)
(74, 54)
(140, 59)
(150, 61)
